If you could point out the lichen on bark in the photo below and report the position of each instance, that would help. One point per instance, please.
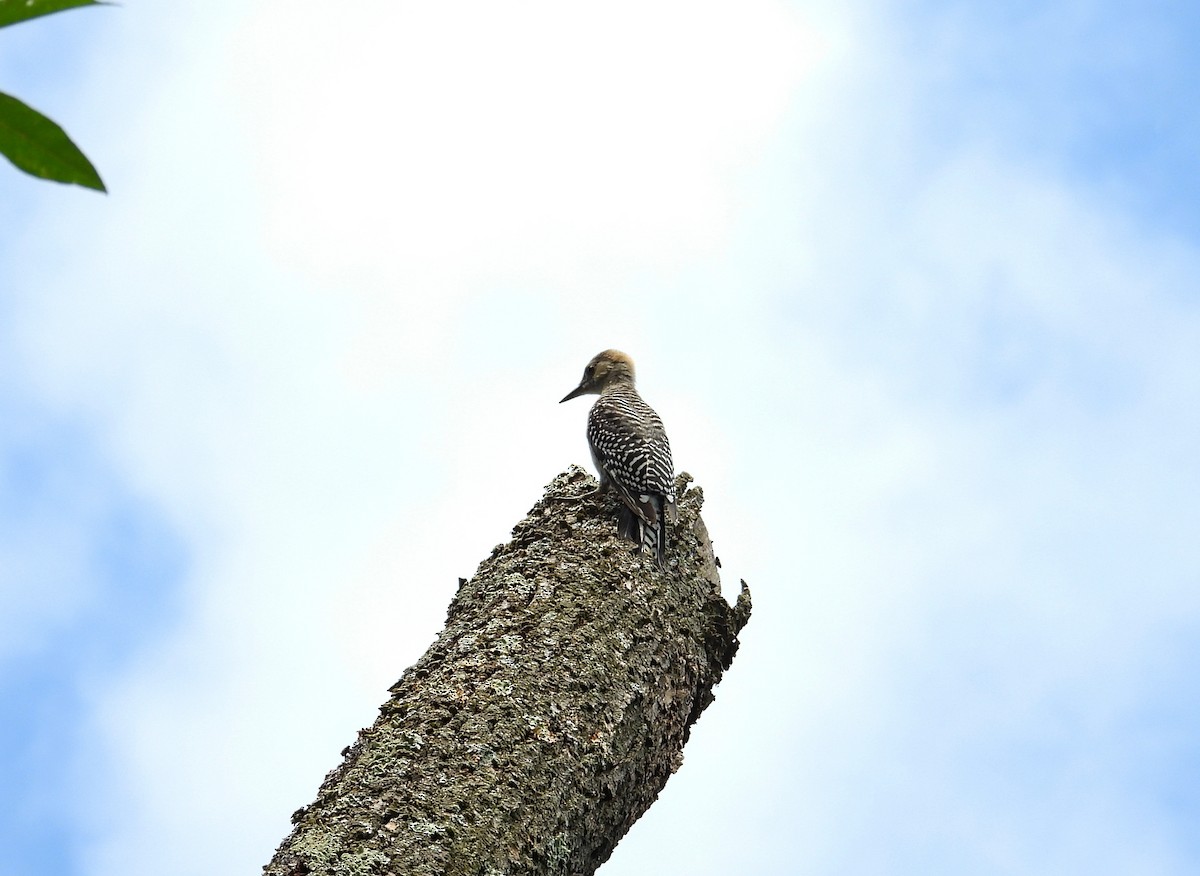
(547, 715)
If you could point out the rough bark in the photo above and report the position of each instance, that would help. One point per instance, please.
(546, 717)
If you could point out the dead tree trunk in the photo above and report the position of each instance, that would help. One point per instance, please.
(546, 717)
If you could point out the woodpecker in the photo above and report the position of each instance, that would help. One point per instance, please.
(630, 451)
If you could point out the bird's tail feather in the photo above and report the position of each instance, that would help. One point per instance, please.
(654, 542)
(650, 537)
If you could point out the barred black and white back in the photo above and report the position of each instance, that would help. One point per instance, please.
(631, 451)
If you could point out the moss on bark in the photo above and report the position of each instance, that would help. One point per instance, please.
(548, 714)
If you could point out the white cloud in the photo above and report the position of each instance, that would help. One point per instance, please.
(469, 136)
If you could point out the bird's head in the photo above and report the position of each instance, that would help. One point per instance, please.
(605, 369)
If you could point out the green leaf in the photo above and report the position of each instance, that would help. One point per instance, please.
(39, 147)
(12, 11)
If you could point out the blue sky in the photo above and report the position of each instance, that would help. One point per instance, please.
(912, 285)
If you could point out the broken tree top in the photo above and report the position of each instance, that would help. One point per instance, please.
(547, 715)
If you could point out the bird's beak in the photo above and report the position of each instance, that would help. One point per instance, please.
(575, 393)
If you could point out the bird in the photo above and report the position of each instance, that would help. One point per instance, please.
(630, 451)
